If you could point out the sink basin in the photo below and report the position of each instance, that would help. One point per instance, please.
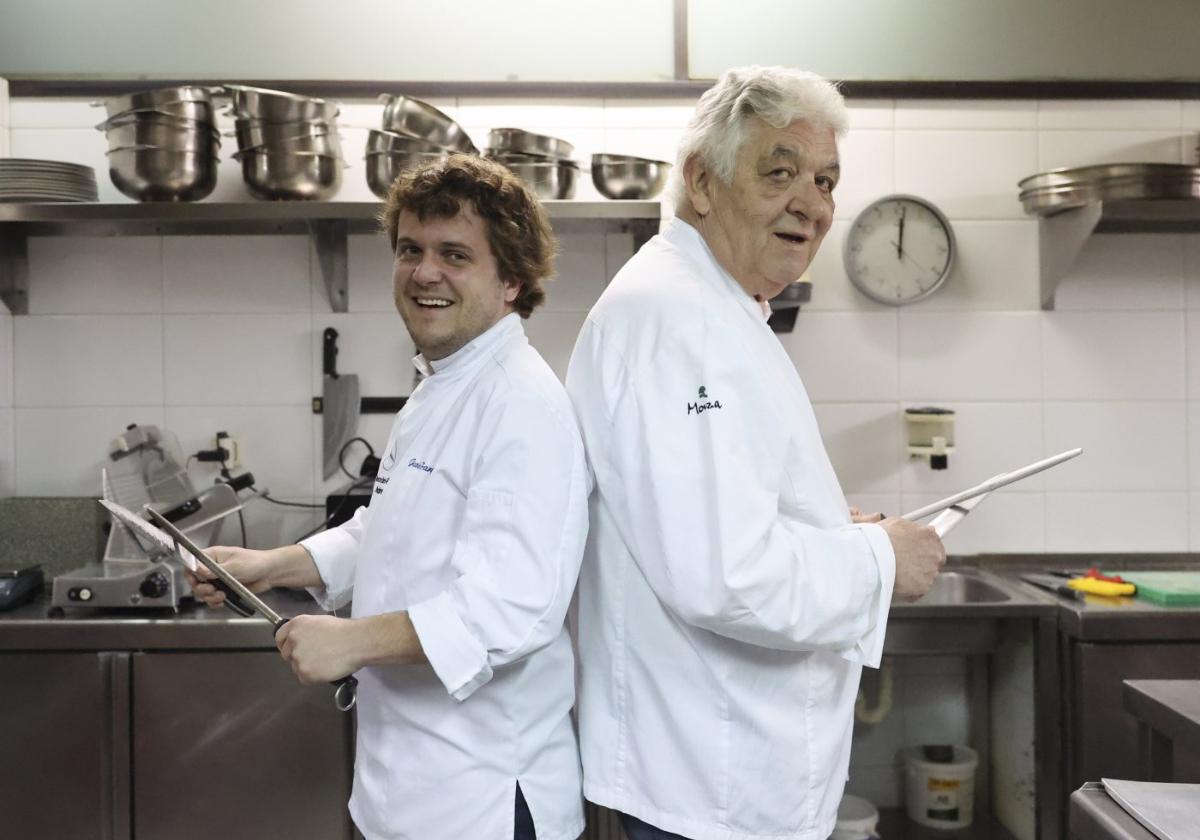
(953, 588)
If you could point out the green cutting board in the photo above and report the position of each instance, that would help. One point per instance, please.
(1171, 589)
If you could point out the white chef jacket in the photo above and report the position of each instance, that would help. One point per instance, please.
(476, 526)
(726, 602)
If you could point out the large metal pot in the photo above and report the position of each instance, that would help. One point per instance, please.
(154, 174)
(195, 111)
(391, 142)
(384, 167)
(547, 180)
(179, 136)
(628, 177)
(301, 176)
(405, 115)
(166, 98)
(278, 106)
(501, 140)
(319, 141)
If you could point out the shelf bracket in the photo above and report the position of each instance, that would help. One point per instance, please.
(329, 238)
(1060, 239)
(14, 273)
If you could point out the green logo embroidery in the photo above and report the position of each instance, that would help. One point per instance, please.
(703, 394)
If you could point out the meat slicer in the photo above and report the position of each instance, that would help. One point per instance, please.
(145, 467)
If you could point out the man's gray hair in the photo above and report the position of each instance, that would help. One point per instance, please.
(777, 95)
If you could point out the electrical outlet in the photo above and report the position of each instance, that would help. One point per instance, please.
(233, 450)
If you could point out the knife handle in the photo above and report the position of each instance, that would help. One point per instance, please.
(232, 599)
(329, 353)
(345, 693)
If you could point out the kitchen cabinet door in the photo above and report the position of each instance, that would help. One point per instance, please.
(56, 748)
(1104, 737)
(230, 743)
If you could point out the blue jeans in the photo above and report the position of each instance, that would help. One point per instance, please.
(635, 829)
(524, 829)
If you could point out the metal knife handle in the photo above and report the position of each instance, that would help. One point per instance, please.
(329, 353)
(345, 693)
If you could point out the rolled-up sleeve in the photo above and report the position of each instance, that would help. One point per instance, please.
(335, 553)
(696, 497)
(518, 550)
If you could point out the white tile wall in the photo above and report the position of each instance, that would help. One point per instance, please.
(237, 360)
(8, 477)
(1116, 522)
(5, 119)
(88, 360)
(59, 451)
(236, 274)
(1130, 272)
(844, 356)
(6, 358)
(95, 275)
(970, 356)
(1113, 355)
(225, 331)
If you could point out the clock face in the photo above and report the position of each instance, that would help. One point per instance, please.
(899, 250)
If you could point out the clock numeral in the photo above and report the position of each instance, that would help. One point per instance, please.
(866, 228)
(856, 248)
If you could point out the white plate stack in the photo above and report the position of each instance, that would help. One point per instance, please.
(27, 180)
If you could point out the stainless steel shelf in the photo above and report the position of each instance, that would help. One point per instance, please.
(1061, 236)
(328, 223)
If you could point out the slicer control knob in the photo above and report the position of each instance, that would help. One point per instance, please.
(155, 585)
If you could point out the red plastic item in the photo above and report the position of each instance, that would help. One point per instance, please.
(1098, 575)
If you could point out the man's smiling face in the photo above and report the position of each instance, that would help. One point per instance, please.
(445, 282)
(765, 226)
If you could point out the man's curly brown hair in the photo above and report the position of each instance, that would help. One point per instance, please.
(518, 228)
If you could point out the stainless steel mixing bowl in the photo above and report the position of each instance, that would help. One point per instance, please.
(167, 98)
(625, 176)
(501, 140)
(165, 133)
(406, 115)
(390, 141)
(277, 105)
(290, 175)
(384, 167)
(153, 174)
(547, 180)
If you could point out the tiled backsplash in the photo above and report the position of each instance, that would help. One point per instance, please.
(207, 333)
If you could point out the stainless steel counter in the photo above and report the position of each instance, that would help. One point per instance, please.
(194, 627)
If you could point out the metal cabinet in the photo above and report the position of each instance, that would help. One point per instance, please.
(1102, 737)
(230, 739)
(56, 758)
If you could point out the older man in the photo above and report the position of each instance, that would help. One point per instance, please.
(464, 563)
(727, 601)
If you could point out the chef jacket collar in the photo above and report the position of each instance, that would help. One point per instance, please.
(683, 235)
(475, 350)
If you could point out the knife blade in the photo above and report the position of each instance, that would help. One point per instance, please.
(144, 532)
(345, 694)
(340, 401)
(993, 483)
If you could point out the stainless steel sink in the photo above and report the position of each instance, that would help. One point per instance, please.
(954, 588)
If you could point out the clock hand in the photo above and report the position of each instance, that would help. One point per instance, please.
(910, 259)
(900, 238)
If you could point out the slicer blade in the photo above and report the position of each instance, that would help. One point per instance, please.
(144, 532)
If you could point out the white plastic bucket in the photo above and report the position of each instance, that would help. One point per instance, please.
(856, 819)
(940, 794)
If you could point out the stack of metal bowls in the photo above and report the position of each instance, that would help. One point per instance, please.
(162, 143)
(288, 145)
(414, 133)
(625, 176)
(1063, 189)
(542, 162)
